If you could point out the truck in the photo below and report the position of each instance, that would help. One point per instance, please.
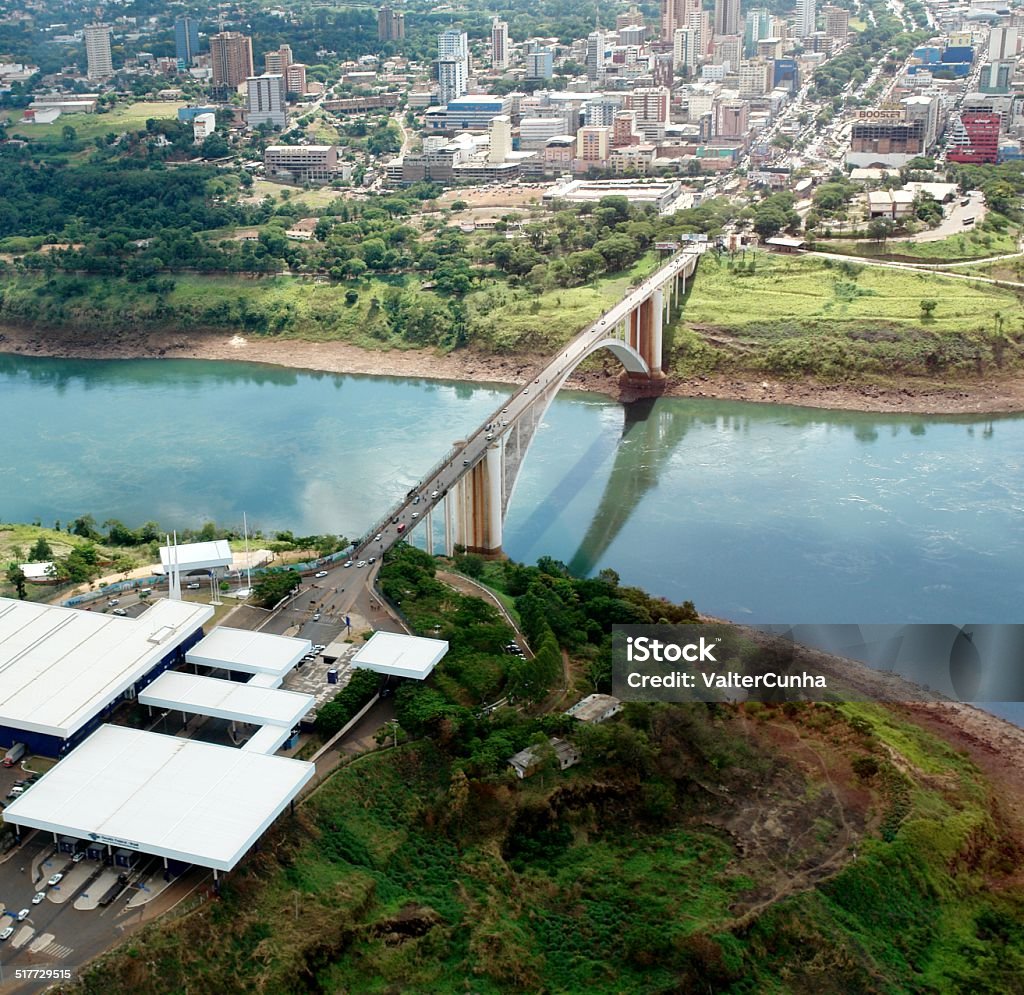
(14, 754)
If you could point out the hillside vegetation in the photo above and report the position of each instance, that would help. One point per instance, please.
(757, 849)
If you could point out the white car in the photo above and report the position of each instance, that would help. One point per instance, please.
(361, 563)
(38, 897)
(55, 878)
(320, 573)
(23, 915)
(348, 563)
(113, 602)
(119, 611)
(376, 538)
(78, 857)
(372, 560)
(194, 586)
(6, 934)
(316, 616)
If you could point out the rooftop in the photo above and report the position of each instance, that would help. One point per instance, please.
(248, 652)
(399, 655)
(60, 666)
(176, 798)
(196, 555)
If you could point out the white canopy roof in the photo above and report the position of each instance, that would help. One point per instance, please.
(226, 699)
(197, 555)
(398, 655)
(248, 652)
(178, 798)
(60, 666)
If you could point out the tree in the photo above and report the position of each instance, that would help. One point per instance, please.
(880, 229)
(928, 308)
(272, 587)
(40, 551)
(16, 576)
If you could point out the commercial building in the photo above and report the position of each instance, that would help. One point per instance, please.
(727, 17)
(295, 79)
(593, 145)
(186, 40)
(755, 78)
(474, 111)
(301, 163)
(982, 139)
(732, 119)
(265, 103)
(837, 23)
(452, 64)
(806, 18)
(230, 59)
(390, 24)
(62, 671)
(499, 44)
(884, 137)
(657, 193)
(97, 51)
(594, 57)
(540, 64)
(684, 50)
(278, 61)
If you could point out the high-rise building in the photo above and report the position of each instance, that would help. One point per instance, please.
(624, 129)
(671, 17)
(295, 78)
(499, 44)
(500, 130)
(756, 25)
(186, 40)
(279, 61)
(540, 64)
(390, 24)
(732, 119)
(451, 79)
(699, 21)
(684, 50)
(632, 18)
(982, 139)
(452, 64)
(651, 104)
(635, 34)
(97, 51)
(728, 51)
(600, 113)
(595, 55)
(1002, 44)
(755, 78)
(837, 23)
(806, 18)
(230, 59)
(727, 17)
(593, 144)
(266, 101)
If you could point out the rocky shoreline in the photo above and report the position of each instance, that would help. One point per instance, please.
(990, 396)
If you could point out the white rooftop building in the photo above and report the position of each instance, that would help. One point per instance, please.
(180, 799)
(398, 655)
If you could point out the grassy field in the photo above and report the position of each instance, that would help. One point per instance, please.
(318, 198)
(797, 315)
(975, 243)
(131, 117)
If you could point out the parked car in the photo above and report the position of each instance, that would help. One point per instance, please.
(194, 586)
(119, 611)
(6, 933)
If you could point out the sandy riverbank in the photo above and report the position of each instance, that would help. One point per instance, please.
(990, 396)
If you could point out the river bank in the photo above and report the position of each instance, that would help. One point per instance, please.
(993, 396)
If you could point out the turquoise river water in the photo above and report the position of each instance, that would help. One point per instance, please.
(757, 513)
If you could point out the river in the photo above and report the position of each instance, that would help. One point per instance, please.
(755, 512)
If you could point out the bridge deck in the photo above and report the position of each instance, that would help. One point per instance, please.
(462, 458)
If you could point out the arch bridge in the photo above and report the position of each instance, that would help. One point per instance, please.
(473, 484)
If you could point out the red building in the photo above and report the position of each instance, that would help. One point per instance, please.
(982, 139)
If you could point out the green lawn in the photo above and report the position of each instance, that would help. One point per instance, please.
(974, 243)
(89, 126)
(808, 315)
(318, 198)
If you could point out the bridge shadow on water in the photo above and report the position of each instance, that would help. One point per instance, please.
(650, 434)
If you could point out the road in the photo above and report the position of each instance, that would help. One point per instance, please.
(430, 492)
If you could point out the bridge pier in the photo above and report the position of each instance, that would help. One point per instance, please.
(478, 499)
